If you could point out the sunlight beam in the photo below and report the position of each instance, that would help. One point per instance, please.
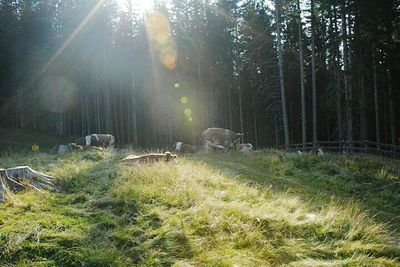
(72, 37)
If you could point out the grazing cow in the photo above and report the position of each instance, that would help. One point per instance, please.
(245, 148)
(100, 140)
(149, 158)
(181, 147)
(218, 138)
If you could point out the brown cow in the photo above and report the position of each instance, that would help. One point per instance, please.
(100, 140)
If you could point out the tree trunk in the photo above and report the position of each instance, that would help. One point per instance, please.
(350, 84)
(276, 132)
(108, 111)
(363, 112)
(134, 115)
(391, 109)
(314, 84)
(346, 74)
(281, 75)
(339, 111)
(82, 117)
(255, 121)
(303, 97)
(378, 138)
(240, 109)
(385, 137)
(115, 111)
(97, 103)
(230, 107)
(238, 81)
(88, 127)
(19, 107)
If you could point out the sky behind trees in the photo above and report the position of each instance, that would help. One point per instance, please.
(152, 78)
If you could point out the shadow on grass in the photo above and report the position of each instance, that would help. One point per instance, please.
(375, 182)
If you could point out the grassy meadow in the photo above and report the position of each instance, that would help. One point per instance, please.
(269, 209)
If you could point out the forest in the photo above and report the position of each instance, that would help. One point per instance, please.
(281, 72)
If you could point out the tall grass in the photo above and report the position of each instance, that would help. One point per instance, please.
(273, 209)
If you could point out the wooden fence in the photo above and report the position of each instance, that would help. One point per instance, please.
(364, 147)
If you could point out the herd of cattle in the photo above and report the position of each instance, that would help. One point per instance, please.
(213, 139)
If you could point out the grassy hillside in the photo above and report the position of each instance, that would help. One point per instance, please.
(270, 209)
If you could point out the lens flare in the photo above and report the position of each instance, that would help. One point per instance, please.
(159, 30)
(168, 58)
(184, 100)
(177, 85)
(158, 27)
(188, 112)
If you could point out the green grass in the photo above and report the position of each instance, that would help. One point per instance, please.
(269, 209)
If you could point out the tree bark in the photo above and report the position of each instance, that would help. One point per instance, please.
(88, 127)
(255, 121)
(363, 112)
(303, 98)
(391, 109)
(281, 74)
(97, 103)
(350, 84)
(230, 107)
(134, 111)
(339, 111)
(314, 84)
(347, 91)
(240, 109)
(378, 138)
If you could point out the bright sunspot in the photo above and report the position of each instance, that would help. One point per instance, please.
(139, 5)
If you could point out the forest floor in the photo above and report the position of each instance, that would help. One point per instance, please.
(269, 209)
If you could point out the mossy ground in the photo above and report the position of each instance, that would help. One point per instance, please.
(269, 209)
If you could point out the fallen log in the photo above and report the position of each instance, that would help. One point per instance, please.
(18, 178)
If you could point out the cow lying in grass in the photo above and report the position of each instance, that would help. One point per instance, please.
(181, 147)
(73, 147)
(319, 152)
(100, 140)
(245, 148)
(149, 158)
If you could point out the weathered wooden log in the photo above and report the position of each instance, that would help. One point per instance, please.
(18, 178)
